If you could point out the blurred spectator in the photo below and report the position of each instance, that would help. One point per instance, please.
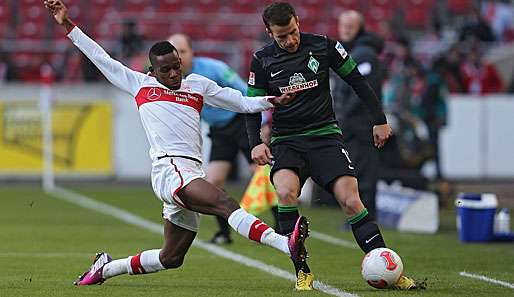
(131, 41)
(89, 71)
(403, 93)
(433, 108)
(7, 68)
(432, 44)
(476, 28)
(479, 77)
(500, 14)
(400, 54)
(351, 113)
(451, 66)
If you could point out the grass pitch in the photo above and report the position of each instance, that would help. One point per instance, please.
(46, 243)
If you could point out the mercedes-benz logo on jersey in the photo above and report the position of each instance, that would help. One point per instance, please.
(154, 94)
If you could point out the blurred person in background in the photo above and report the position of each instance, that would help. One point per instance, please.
(226, 128)
(432, 43)
(501, 17)
(130, 46)
(433, 108)
(476, 28)
(7, 68)
(350, 111)
(452, 62)
(131, 40)
(479, 76)
(407, 151)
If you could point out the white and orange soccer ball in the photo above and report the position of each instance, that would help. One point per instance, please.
(381, 268)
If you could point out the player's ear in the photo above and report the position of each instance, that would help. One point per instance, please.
(269, 33)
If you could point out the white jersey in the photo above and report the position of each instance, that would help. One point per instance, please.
(171, 118)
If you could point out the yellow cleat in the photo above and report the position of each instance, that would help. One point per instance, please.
(406, 283)
(304, 281)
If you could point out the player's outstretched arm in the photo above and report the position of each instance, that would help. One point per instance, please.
(118, 74)
(231, 99)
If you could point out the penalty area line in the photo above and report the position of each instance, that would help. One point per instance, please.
(486, 279)
(132, 219)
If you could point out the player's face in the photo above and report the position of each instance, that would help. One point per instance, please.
(287, 37)
(168, 70)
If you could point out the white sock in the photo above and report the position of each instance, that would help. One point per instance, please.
(256, 230)
(144, 262)
(115, 267)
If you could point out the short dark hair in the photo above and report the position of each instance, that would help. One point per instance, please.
(278, 13)
(161, 48)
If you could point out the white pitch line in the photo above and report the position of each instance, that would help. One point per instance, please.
(487, 279)
(135, 220)
(333, 240)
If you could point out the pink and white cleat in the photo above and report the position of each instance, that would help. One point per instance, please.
(94, 275)
(297, 240)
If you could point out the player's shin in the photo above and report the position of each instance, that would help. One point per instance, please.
(287, 217)
(366, 232)
(251, 227)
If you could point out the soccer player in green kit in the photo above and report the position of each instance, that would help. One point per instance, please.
(306, 140)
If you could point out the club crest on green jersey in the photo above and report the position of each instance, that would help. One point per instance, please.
(313, 64)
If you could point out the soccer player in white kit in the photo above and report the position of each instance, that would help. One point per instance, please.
(169, 108)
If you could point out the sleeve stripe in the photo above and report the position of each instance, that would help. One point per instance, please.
(347, 67)
(252, 92)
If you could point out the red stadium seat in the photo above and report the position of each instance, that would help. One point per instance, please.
(171, 5)
(253, 32)
(242, 6)
(5, 14)
(4, 29)
(205, 6)
(33, 13)
(418, 12)
(159, 31)
(348, 4)
(417, 17)
(385, 4)
(460, 6)
(137, 5)
(30, 30)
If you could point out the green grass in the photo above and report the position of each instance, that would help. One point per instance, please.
(46, 243)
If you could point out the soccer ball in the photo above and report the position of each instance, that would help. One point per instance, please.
(381, 268)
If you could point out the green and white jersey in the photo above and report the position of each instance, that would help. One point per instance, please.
(275, 71)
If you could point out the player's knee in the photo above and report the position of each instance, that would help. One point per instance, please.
(353, 203)
(287, 194)
(170, 261)
(347, 193)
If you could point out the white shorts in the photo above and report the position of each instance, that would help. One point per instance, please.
(169, 175)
